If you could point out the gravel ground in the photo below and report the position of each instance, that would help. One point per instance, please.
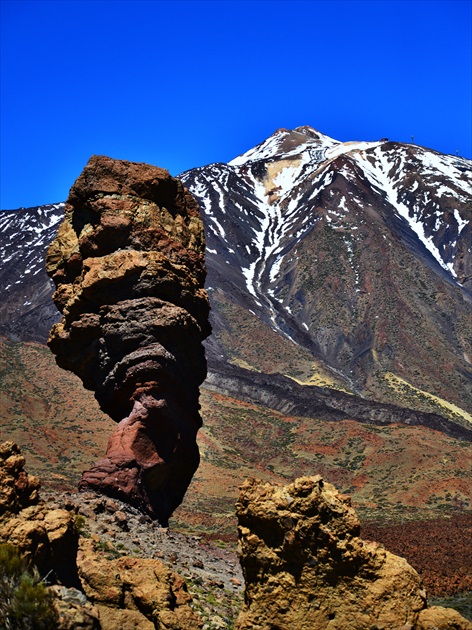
(210, 568)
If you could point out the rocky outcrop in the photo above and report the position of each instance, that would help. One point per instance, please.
(135, 592)
(46, 538)
(18, 490)
(89, 590)
(128, 265)
(306, 567)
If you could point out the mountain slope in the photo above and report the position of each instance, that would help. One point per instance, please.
(392, 470)
(358, 254)
(26, 309)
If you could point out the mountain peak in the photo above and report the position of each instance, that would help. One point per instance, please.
(310, 132)
(336, 247)
(286, 143)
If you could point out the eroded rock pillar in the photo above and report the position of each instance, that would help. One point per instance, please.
(128, 265)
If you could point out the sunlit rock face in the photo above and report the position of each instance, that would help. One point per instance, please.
(120, 592)
(46, 538)
(128, 265)
(306, 567)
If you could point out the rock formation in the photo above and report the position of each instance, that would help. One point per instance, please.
(306, 567)
(46, 538)
(90, 591)
(135, 592)
(18, 489)
(128, 265)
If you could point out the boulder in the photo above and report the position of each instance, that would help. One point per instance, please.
(128, 265)
(438, 618)
(135, 592)
(305, 566)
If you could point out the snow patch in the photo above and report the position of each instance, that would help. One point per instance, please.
(347, 147)
(378, 176)
(461, 223)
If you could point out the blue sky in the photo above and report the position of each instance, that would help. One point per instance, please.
(181, 84)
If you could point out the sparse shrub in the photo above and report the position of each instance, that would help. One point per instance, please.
(221, 544)
(25, 603)
(79, 523)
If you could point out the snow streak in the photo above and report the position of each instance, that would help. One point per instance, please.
(379, 173)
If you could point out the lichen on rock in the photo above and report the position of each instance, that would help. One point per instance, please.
(305, 566)
(128, 265)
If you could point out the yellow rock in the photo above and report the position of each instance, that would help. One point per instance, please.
(306, 568)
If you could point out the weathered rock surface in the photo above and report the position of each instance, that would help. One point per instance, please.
(46, 538)
(135, 592)
(440, 618)
(128, 265)
(90, 590)
(306, 567)
(117, 529)
(73, 610)
(17, 489)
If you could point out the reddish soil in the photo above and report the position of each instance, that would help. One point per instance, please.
(393, 473)
(440, 550)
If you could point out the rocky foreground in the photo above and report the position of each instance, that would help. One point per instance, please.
(109, 566)
(306, 567)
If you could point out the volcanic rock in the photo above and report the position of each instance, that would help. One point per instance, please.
(135, 592)
(128, 265)
(306, 567)
(89, 590)
(46, 538)
(18, 490)
(73, 610)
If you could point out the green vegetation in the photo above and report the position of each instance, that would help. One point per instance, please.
(462, 603)
(79, 521)
(419, 399)
(214, 603)
(25, 603)
(221, 544)
(109, 550)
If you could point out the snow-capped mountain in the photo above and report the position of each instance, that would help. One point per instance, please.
(342, 264)
(271, 197)
(357, 255)
(26, 312)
